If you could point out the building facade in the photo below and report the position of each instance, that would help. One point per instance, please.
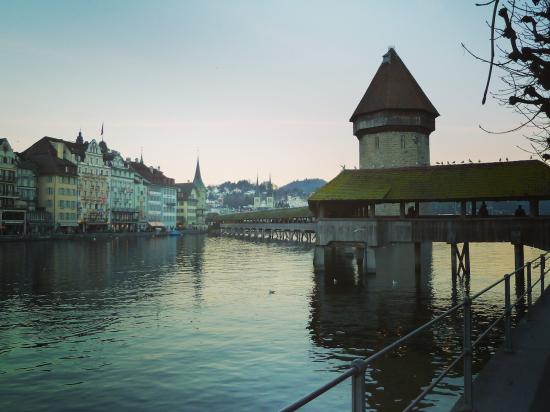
(187, 198)
(93, 184)
(124, 215)
(12, 215)
(161, 196)
(68, 186)
(27, 185)
(57, 181)
(37, 220)
(264, 195)
(141, 189)
(168, 191)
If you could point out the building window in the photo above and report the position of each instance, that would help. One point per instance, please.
(403, 142)
(377, 142)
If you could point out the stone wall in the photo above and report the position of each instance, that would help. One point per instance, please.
(393, 149)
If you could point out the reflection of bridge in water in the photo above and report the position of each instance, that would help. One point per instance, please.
(398, 249)
(354, 315)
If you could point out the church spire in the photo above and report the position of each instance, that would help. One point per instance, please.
(197, 181)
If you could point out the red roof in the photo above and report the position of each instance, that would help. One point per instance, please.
(393, 88)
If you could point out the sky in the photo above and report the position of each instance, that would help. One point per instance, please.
(252, 87)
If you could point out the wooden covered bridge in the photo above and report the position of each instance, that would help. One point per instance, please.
(372, 208)
(291, 224)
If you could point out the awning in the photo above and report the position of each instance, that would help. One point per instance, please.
(155, 224)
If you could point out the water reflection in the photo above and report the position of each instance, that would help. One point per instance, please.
(360, 314)
(190, 251)
(355, 315)
(141, 324)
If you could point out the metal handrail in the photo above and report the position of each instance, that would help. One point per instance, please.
(434, 383)
(358, 367)
(316, 393)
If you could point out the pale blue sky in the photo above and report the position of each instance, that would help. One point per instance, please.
(265, 86)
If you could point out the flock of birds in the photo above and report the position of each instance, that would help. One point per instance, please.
(471, 161)
(452, 163)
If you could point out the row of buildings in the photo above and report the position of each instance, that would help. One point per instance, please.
(83, 186)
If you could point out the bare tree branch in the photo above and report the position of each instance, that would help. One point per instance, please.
(492, 52)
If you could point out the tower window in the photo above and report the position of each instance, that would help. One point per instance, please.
(377, 142)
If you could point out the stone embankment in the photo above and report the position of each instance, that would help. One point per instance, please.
(80, 236)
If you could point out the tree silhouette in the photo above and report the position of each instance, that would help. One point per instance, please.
(521, 37)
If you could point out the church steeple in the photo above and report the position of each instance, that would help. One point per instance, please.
(79, 138)
(197, 180)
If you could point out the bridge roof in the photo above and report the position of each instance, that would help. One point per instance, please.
(286, 213)
(526, 179)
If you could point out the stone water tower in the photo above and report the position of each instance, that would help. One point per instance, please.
(394, 119)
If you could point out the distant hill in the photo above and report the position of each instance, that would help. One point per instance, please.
(302, 187)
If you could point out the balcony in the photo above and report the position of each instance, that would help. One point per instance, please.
(123, 209)
(94, 219)
(11, 195)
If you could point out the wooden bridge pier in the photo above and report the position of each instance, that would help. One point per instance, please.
(460, 260)
(417, 257)
(519, 277)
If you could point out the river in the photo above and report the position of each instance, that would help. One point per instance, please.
(209, 324)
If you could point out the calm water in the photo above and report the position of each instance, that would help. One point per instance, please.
(190, 324)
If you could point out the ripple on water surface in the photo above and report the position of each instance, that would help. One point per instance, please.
(198, 323)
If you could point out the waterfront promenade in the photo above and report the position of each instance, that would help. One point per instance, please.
(75, 236)
(518, 381)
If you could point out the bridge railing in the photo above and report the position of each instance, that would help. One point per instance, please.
(358, 367)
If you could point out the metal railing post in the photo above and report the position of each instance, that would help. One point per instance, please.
(529, 291)
(542, 265)
(467, 348)
(507, 315)
(358, 386)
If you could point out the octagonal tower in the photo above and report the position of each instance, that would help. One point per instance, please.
(394, 119)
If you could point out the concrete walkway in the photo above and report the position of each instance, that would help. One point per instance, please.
(518, 381)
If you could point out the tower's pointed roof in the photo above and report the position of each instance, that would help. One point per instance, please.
(197, 180)
(393, 87)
